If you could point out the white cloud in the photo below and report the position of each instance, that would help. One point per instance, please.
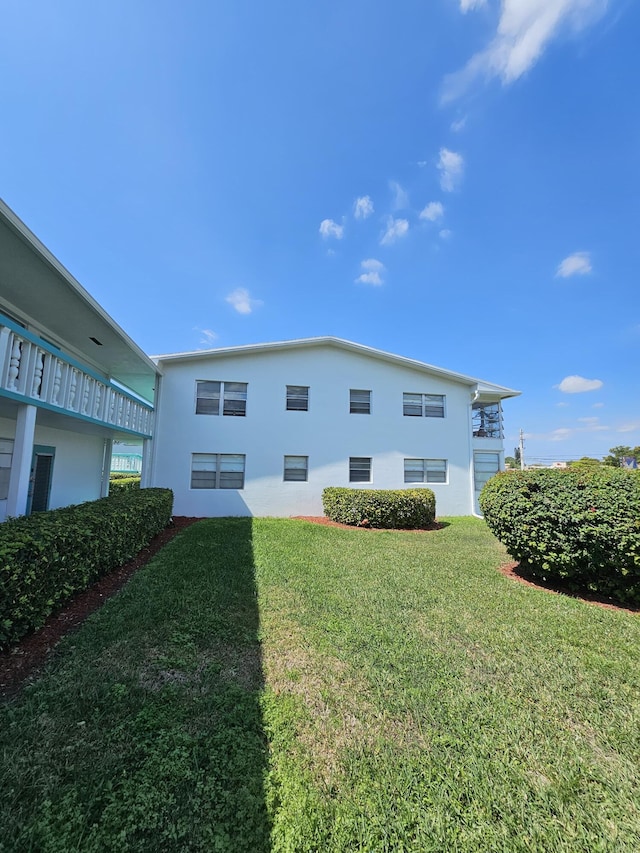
(363, 207)
(400, 196)
(423, 163)
(329, 228)
(597, 405)
(578, 385)
(459, 124)
(632, 426)
(577, 264)
(242, 301)
(525, 28)
(562, 405)
(434, 210)
(445, 234)
(396, 228)
(208, 336)
(451, 166)
(372, 272)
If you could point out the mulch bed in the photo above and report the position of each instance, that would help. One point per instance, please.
(21, 662)
(517, 573)
(322, 519)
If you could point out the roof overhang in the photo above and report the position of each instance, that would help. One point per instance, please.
(477, 386)
(37, 289)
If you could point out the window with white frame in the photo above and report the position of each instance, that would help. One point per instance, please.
(425, 470)
(423, 405)
(6, 455)
(212, 396)
(217, 470)
(359, 469)
(296, 469)
(359, 402)
(297, 398)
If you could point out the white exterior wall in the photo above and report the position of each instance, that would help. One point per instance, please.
(328, 434)
(77, 466)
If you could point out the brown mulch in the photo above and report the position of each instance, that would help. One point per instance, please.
(21, 662)
(517, 573)
(322, 519)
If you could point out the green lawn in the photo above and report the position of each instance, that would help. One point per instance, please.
(276, 685)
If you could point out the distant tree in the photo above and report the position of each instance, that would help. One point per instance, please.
(614, 459)
(510, 462)
(584, 462)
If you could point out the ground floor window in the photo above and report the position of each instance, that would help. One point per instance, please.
(485, 465)
(296, 469)
(6, 455)
(359, 469)
(217, 470)
(425, 470)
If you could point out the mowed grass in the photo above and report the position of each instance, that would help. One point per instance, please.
(276, 685)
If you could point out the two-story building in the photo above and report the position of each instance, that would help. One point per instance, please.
(261, 430)
(71, 381)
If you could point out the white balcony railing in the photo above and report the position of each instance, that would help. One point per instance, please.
(42, 375)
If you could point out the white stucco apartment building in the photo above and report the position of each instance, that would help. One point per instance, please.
(71, 381)
(262, 430)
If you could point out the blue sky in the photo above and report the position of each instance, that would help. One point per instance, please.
(455, 181)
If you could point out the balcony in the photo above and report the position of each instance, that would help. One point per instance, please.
(486, 419)
(35, 372)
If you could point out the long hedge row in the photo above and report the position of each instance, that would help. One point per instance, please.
(579, 526)
(47, 557)
(386, 508)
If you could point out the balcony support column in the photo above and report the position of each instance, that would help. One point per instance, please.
(106, 467)
(22, 461)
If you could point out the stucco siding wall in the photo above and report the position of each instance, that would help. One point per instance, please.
(77, 467)
(328, 434)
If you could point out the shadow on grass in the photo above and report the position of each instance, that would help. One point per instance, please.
(146, 732)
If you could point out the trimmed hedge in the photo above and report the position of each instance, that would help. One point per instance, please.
(122, 475)
(124, 484)
(386, 508)
(579, 526)
(47, 557)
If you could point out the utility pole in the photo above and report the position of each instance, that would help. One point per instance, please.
(521, 450)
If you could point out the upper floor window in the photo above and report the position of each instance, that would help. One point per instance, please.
(296, 468)
(487, 420)
(217, 470)
(232, 396)
(425, 470)
(359, 402)
(297, 398)
(359, 469)
(423, 405)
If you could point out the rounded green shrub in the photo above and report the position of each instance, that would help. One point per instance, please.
(124, 484)
(577, 526)
(385, 508)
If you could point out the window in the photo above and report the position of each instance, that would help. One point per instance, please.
(217, 470)
(359, 402)
(487, 420)
(425, 470)
(485, 465)
(359, 469)
(296, 468)
(423, 405)
(233, 396)
(297, 398)
(6, 455)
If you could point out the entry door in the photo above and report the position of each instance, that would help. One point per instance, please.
(485, 465)
(40, 480)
